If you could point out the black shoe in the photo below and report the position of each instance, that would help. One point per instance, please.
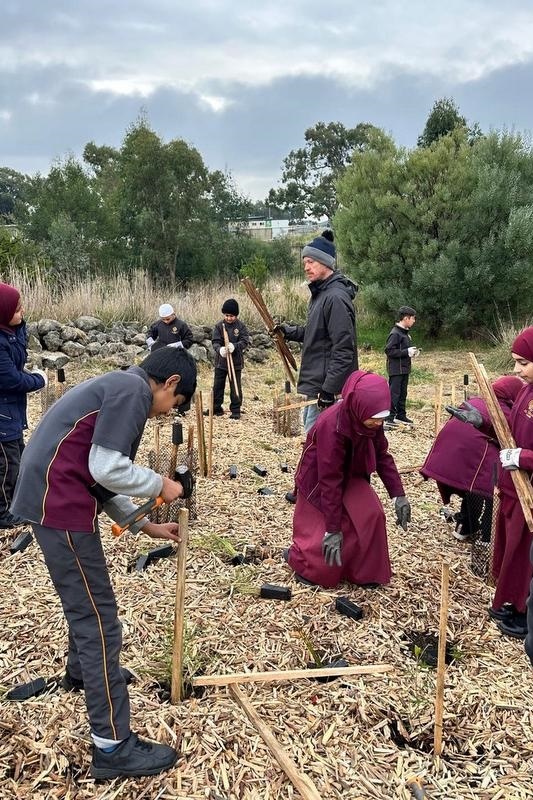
(503, 614)
(133, 758)
(303, 581)
(8, 521)
(70, 684)
(389, 423)
(405, 420)
(290, 497)
(234, 416)
(218, 413)
(285, 554)
(516, 627)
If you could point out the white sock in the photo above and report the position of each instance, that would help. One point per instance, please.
(101, 743)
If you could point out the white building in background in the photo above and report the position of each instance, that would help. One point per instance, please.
(261, 228)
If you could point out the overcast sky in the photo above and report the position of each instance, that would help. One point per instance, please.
(241, 81)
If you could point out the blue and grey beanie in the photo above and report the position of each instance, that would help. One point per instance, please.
(322, 249)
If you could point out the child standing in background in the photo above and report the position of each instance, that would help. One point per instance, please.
(168, 331)
(238, 341)
(15, 383)
(400, 350)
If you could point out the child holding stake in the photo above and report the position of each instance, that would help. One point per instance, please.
(15, 384)
(79, 461)
(238, 340)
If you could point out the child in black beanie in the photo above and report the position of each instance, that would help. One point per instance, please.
(238, 341)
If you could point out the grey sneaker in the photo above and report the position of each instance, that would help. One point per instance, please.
(133, 758)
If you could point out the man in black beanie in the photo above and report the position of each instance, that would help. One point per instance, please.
(79, 462)
(238, 341)
(329, 352)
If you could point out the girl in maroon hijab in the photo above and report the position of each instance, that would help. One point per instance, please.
(512, 565)
(463, 461)
(339, 528)
(15, 383)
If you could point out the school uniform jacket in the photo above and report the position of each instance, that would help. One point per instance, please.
(15, 383)
(237, 335)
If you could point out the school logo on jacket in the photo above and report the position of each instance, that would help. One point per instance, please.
(235, 331)
(174, 329)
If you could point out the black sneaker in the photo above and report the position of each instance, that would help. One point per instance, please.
(133, 758)
(389, 423)
(234, 416)
(290, 497)
(404, 420)
(8, 521)
(217, 413)
(70, 684)
(503, 614)
(516, 626)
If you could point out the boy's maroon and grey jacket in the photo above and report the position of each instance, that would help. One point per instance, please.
(95, 428)
(237, 335)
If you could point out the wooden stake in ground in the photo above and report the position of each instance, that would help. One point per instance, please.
(202, 464)
(176, 686)
(284, 353)
(453, 394)
(438, 406)
(301, 782)
(524, 490)
(157, 449)
(441, 661)
(210, 438)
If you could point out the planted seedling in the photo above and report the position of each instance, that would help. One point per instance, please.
(318, 662)
(425, 648)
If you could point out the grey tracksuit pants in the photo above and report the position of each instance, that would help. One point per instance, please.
(78, 569)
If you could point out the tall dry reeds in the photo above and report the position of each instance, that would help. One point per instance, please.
(501, 338)
(134, 297)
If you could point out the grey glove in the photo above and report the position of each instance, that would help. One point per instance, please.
(280, 327)
(331, 548)
(402, 508)
(466, 414)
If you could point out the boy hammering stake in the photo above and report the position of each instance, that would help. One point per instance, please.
(78, 463)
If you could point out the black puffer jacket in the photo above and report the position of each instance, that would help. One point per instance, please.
(328, 354)
(398, 343)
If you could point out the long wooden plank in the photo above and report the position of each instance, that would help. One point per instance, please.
(289, 674)
(520, 479)
(176, 686)
(299, 780)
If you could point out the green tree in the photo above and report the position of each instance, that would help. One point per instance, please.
(15, 196)
(443, 118)
(310, 173)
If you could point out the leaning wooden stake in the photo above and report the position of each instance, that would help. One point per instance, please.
(229, 361)
(524, 490)
(176, 686)
(202, 463)
(289, 674)
(299, 780)
(441, 661)
(438, 406)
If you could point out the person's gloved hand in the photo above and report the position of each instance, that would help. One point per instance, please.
(186, 478)
(231, 347)
(510, 457)
(175, 344)
(402, 507)
(331, 548)
(150, 342)
(325, 399)
(42, 373)
(222, 352)
(466, 414)
(280, 327)
(412, 352)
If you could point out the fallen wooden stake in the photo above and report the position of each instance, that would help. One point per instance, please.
(294, 406)
(441, 662)
(176, 686)
(407, 470)
(288, 675)
(299, 780)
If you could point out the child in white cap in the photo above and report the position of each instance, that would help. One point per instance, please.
(168, 330)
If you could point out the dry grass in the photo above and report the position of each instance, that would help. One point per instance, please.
(134, 297)
(356, 738)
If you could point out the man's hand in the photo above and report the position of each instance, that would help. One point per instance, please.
(467, 414)
(510, 457)
(325, 399)
(402, 507)
(165, 530)
(279, 328)
(171, 490)
(331, 548)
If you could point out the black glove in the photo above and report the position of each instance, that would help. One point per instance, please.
(402, 508)
(325, 399)
(466, 414)
(331, 548)
(278, 328)
(186, 478)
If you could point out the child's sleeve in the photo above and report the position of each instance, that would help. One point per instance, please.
(14, 380)
(218, 337)
(244, 339)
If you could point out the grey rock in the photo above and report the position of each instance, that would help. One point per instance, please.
(140, 340)
(198, 352)
(71, 334)
(198, 333)
(34, 344)
(261, 340)
(73, 349)
(89, 324)
(54, 360)
(93, 348)
(53, 340)
(256, 355)
(45, 326)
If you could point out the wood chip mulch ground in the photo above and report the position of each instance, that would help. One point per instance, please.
(360, 737)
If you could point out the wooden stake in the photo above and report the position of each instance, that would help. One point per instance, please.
(176, 686)
(524, 490)
(210, 438)
(453, 394)
(441, 662)
(288, 675)
(202, 465)
(407, 470)
(303, 404)
(438, 406)
(229, 360)
(299, 780)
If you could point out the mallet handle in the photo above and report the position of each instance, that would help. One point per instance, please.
(135, 516)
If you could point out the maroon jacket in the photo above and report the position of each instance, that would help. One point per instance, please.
(521, 424)
(339, 447)
(464, 458)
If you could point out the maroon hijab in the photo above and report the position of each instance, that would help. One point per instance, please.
(523, 344)
(9, 300)
(363, 395)
(508, 388)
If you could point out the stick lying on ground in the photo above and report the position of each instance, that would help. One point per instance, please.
(289, 674)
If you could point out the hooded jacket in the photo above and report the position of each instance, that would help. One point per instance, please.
(329, 346)
(15, 383)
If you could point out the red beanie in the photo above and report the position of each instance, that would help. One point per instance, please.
(523, 344)
(9, 300)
